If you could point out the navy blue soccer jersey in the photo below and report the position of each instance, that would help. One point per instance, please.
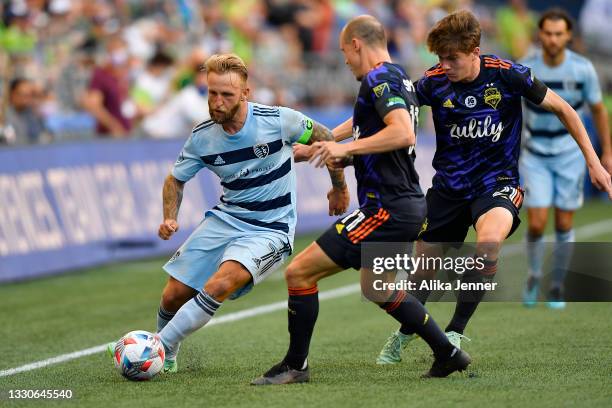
(387, 177)
(478, 125)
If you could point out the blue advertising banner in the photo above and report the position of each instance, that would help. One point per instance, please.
(70, 206)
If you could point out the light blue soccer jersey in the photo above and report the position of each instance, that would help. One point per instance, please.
(575, 81)
(255, 166)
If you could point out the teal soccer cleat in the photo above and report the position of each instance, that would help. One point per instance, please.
(530, 293)
(455, 338)
(391, 351)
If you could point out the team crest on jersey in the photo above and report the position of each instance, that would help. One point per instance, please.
(261, 150)
(492, 96)
(379, 90)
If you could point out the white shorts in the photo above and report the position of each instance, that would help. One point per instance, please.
(553, 181)
(215, 241)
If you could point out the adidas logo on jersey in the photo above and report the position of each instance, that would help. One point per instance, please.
(219, 161)
(448, 104)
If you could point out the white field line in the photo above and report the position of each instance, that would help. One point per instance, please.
(230, 317)
(585, 232)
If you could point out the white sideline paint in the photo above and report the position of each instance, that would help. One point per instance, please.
(585, 232)
(228, 318)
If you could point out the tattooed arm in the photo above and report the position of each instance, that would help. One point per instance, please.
(172, 195)
(338, 196)
(322, 134)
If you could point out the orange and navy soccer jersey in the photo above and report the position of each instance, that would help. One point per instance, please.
(478, 125)
(389, 178)
(392, 206)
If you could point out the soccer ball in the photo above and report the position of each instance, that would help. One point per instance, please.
(139, 355)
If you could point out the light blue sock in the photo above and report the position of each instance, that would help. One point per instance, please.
(562, 256)
(163, 317)
(535, 255)
(190, 317)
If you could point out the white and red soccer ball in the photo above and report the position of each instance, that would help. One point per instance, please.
(139, 355)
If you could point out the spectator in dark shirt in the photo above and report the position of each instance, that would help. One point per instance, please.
(25, 124)
(108, 96)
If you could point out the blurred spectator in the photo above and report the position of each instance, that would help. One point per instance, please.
(516, 27)
(108, 96)
(595, 20)
(290, 46)
(19, 37)
(190, 68)
(179, 115)
(75, 76)
(246, 19)
(22, 115)
(153, 84)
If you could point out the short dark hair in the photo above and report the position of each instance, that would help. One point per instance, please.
(15, 82)
(556, 14)
(366, 28)
(459, 31)
(161, 58)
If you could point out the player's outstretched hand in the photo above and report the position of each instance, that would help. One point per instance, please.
(339, 199)
(167, 228)
(301, 152)
(327, 151)
(601, 178)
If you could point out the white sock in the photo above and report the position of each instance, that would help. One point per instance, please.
(190, 317)
(535, 255)
(563, 252)
(163, 317)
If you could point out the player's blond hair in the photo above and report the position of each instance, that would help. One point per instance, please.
(459, 31)
(224, 63)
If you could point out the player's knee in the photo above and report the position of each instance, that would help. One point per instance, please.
(536, 228)
(490, 239)
(296, 273)
(220, 289)
(173, 297)
(563, 224)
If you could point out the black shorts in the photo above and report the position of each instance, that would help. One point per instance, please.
(342, 241)
(449, 220)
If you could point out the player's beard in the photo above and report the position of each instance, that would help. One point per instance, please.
(553, 52)
(223, 117)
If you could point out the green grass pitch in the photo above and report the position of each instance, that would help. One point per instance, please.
(522, 358)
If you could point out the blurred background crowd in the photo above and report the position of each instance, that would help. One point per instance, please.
(77, 69)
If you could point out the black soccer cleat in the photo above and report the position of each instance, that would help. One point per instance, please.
(458, 361)
(281, 373)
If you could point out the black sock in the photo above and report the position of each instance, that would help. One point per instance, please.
(421, 295)
(413, 316)
(303, 308)
(468, 300)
